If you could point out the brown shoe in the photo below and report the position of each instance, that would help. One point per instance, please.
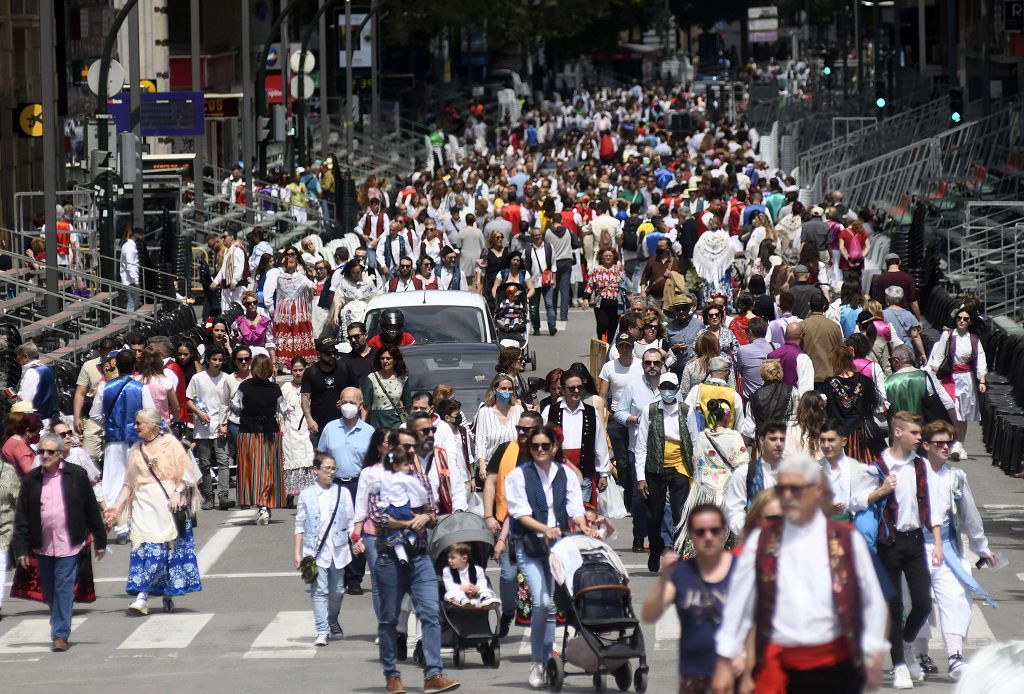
(59, 645)
(395, 685)
(439, 683)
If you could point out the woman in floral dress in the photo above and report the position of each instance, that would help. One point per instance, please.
(297, 451)
(293, 318)
(602, 293)
(255, 329)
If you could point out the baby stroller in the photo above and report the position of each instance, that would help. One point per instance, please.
(592, 591)
(512, 318)
(464, 627)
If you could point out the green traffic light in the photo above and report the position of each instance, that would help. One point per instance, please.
(828, 71)
(880, 102)
(955, 116)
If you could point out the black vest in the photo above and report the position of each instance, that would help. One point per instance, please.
(588, 439)
(259, 407)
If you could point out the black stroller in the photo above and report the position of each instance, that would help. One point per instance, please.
(512, 318)
(595, 599)
(464, 627)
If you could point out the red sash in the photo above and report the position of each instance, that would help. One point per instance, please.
(772, 679)
(574, 457)
(444, 482)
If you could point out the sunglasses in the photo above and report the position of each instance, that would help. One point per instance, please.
(61, 433)
(427, 430)
(706, 532)
(525, 430)
(647, 362)
(48, 451)
(546, 446)
(574, 389)
(941, 442)
(963, 318)
(714, 314)
(407, 446)
(249, 303)
(794, 489)
(243, 360)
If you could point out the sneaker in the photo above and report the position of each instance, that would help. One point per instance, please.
(956, 667)
(439, 683)
(901, 678)
(139, 606)
(537, 678)
(506, 625)
(957, 452)
(225, 504)
(354, 589)
(927, 664)
(263, 517)
(321, 640)
(207, 505)
(336, 631)
(395, 686)
(552, 330)
(913, 664)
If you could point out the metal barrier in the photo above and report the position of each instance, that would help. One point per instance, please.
(989, 254)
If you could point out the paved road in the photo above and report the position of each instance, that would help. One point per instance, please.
(251, 627)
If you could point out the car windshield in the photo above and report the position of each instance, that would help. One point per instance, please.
(469, 372)
(433, 324)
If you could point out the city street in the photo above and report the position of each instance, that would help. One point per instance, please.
(251, 627)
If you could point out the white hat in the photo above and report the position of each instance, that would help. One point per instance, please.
(509, 342)
(670, 378)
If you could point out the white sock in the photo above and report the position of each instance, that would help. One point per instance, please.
(954, 643)
(144, 597)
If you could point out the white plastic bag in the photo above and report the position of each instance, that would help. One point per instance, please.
(476, 503)
(610, 502)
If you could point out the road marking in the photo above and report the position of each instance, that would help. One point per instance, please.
(166, 631)
(979, 633)
(214, 547)
(31, 636)
(525, 647)
(667, 630)
(289, 635)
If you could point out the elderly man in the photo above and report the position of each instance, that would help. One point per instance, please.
(911, 389)
(904, 322)
(347, 439)
(233, 271)
(797, 367)
(683, 329)
(56, 513)
(38, 385)
(807, 586)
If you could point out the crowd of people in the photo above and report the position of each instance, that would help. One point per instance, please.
(764, 392)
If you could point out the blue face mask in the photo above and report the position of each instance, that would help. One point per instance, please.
(503, 398)
(668, 395)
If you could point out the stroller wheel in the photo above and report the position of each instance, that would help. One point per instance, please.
(494, 654)
(457, 657)
(640, 680)
(600, 681)
(623, 678)
(555, 672)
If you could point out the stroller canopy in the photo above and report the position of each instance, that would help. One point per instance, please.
(567, 556)
(458, 527)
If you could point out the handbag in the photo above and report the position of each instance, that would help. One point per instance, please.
(945, 370)
(535, 545)
(610, 503)
(399, 408)
(307, 565)
(546, 280)
(181, 516)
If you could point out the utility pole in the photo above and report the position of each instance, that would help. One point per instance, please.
(374, 69)
(325, 124)
(135, 109)
(348, 81)
(285, 58)
(200, 140)
(247, 108)
(46, 69)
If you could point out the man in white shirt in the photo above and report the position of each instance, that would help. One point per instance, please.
(130, 268)
(229, 277)
(584, 443)
(372, 225)
(902, 476)
(394, 246)
(208, 398)
(447, 482)
(538, 258)
(611, 381)
(842, 473)
(750, 478)
(38, 386)
(233, 185)
(816, 576)
(402, 282)
(450, 276)
(715, 386)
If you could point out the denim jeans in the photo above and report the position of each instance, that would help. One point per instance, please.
(420, 582)
(563, 273)
(370, 556)
(634, 269)
(549, 306)
(57, 579)
(507, 584)
(327, 594)
(619, 436)
(210, 453)
(134, 298)
(356, 569)
(538, 577)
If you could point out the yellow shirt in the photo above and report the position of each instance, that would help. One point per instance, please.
(674, 457)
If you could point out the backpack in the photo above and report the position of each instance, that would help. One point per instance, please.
(855, 249)
(631, 233)
(599, 604)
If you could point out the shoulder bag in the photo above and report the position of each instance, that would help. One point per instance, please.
(307, 567)
(181, 515)
(399, 408)
(945, 370)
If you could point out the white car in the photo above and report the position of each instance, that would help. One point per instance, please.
(434, 316)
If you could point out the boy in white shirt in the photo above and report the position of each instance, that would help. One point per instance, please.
(464, 582)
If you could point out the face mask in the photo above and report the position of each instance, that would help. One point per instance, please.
(668, 395)
(459, 419)
(349, 410)
(504, 398)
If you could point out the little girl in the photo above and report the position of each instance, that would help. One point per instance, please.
(401, 496)
(465, 583)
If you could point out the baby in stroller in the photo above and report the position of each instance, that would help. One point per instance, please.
(512, 312)
(465, 583)
(401, 496)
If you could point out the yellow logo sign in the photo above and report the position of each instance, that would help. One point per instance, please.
(30, 120)
(147, 86)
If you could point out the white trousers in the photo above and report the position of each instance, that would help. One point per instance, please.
(115, 462)
(3, 573)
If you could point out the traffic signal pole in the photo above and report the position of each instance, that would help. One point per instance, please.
(135, 109)
(46, 68)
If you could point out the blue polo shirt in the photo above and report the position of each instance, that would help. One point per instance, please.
(348, 446)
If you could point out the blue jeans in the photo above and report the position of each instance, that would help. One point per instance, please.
(507, 584)
(634, 269)
(420, 582)
(587, 488)
(326, 594)
(370, 556)
(563, 273)
(57, 579)
(549, 306)
(538, 577)
(134, 298)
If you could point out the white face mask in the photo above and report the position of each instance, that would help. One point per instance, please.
(349, 410)
(668, 395)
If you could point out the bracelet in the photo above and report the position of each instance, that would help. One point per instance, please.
(488, 517)
(500, 539)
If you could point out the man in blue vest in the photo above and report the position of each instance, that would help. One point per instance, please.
(38, 384)
(117, 402)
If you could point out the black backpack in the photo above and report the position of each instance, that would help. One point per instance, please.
(599, 604)
(630, 233)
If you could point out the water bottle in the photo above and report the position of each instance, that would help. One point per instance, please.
(201, 406)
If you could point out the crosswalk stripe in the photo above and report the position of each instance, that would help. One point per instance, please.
(667, 630)
(215, 547)
(166, 631)
(289, 635)
(31, 636)
(525, 647)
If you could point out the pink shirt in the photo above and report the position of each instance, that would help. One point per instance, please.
(54, 518)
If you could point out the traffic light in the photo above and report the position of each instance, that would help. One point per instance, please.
(263, 124)
(130, 156)
(880, 97)
(956, 105)
(99, 165)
